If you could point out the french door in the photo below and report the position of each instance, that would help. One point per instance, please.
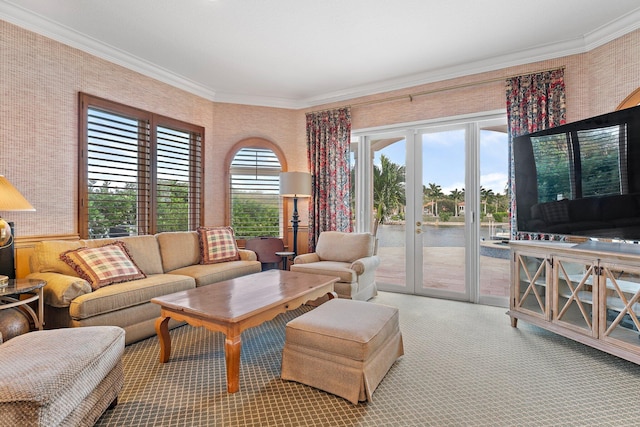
(413, 192)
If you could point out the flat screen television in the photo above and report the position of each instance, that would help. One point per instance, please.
(580, 179)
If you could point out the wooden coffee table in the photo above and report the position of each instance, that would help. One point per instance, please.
(234, 305)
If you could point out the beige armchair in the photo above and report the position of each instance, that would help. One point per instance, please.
(350, 256)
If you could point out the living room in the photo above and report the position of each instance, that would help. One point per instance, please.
(42, 77)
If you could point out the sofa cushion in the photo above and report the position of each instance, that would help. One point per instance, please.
(212, 273)
(103, 265)
(127, 294)
(328, 268)
(143, 250)
(344, 247)
(217, 244)
(46, 257)
(178, 249)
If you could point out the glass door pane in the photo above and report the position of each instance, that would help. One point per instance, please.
(494, 226)
(443, 214)
(389, 207)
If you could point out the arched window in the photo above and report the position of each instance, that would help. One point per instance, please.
(255, 207)
(630, 101)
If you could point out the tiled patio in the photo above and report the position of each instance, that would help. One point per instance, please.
(443, 268)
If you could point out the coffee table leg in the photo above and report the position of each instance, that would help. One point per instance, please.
(232, 349)
(162, 330)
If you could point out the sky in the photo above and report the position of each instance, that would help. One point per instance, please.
(444, 159)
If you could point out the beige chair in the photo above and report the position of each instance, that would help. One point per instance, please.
(350, 256)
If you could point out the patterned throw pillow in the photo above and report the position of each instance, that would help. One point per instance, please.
(104, 265)
(217, 244)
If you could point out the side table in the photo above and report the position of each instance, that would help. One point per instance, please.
(9, 297)
(285, 257)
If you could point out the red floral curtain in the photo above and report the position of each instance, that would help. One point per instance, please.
(534, 102)
(328, 138)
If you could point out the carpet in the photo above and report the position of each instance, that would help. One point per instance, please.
(464, 365)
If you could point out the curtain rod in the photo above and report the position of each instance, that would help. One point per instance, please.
(411, 96)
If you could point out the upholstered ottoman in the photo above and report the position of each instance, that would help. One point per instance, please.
(60, 377)
(344, 347)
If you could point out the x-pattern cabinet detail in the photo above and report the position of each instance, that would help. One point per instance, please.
(587, 295)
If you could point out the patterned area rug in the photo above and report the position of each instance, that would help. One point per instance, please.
(464, 365)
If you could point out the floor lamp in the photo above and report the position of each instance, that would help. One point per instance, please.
(10, 200)
(295, 184)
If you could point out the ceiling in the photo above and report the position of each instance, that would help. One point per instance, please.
(301, 53)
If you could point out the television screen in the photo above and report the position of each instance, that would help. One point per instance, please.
(580, 179)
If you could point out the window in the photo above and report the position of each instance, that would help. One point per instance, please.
(254, 180)
(141, 173)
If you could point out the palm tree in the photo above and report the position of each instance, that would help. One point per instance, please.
(456, 195)
(434, 192)
(486, 195)
(388, 189)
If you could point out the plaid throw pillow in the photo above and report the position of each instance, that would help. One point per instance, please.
(217, 244)
(103, 266)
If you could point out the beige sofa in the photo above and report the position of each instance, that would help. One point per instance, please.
(171, 262)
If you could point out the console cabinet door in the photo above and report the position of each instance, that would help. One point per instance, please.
(620, 312)
(530, 288)
(575, 294)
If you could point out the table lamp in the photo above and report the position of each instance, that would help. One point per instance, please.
(10, 200)
(295, 184)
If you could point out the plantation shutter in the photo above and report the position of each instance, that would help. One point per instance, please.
(178, 185)
(141, 173)
(118, 158)
(255, 201)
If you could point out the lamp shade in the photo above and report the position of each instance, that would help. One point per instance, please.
(11, 199)
(295, 184)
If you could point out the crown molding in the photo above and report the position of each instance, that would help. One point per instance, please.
(259, 101)
(38, 24)
(623, 25)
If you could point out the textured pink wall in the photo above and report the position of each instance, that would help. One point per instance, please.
(40, 79)
(232, 123)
